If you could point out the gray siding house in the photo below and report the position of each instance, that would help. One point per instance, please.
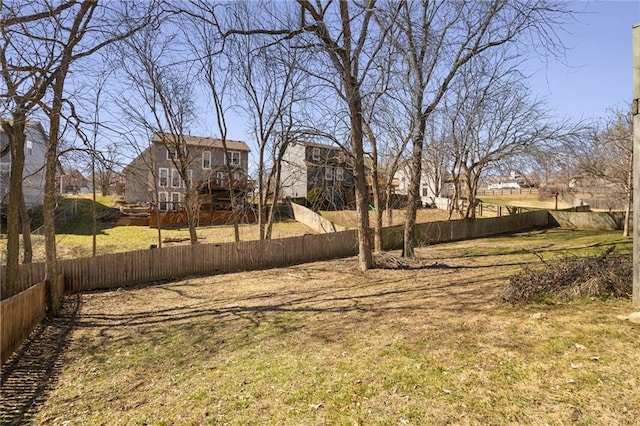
(35, 148)
(318, 173)
(155, 170)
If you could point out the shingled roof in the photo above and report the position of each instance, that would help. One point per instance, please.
(232, 145)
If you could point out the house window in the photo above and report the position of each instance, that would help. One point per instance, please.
(233, 158)
(341, 157)
(315, 153)
(175, 201)
(172, 153)
(339, 173)
(163, 178)
(29, 148)
(175, 178)
(220, 178)
(328, 173)
(163, 197)
(206, 160)
(189, 179)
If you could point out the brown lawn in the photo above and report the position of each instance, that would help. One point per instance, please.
(323, 343)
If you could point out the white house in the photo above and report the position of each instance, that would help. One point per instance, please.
(432, 184)
(35, 148)
(513, 181)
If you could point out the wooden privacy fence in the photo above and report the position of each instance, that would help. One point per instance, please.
(444, 231)
(134, 267)
(22, 312)
(122, 269)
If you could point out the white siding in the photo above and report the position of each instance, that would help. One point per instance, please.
(294, 172)
(33, 183)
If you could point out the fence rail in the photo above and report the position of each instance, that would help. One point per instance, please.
(22, 311)
(508, 191)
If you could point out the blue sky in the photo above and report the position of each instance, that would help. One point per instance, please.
(590, 77)
(595, 72)
(593, 75)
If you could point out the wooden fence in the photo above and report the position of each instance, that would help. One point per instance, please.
(508, 191)
(21, 312)
(123, 269)
(134, 267)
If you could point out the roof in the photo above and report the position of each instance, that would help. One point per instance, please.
(28, 123)
(318, 145)
(4, 141)
(207, 142)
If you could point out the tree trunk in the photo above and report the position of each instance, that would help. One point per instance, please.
(13, 280)
(159, 219)
(94, 213)
(262, 196)
(388, 205)
(377, 230)
(378, 215)
(191, 211)
(365, 259)
(472, 186)
(627, 210)
(27, 247)
(414, 189)
(276, 195)
(51, 167)
(53, 302)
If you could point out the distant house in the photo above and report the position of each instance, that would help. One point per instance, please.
(73, 182)
(155, 169)
(433, 183)
(35, 148)
(513, 181)
(108, 182)
(321, 174)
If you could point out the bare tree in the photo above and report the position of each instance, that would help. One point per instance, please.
(269, 78)
(102, 160)
(491, 119)
(25, 83)
(216, 75)
(386, 141)
(607, 155)
(53, 37)
(337, 32)
(167, 107)
(436, 40)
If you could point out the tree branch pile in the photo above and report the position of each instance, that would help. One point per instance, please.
(603, 276)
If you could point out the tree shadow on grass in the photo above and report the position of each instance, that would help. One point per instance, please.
(33, 369)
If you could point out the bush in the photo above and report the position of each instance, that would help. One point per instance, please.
(603, 276)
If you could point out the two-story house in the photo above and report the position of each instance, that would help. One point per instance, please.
(434, 181)
(321, 174)
(153, 176)
(35, 148)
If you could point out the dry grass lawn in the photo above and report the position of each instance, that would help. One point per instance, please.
(324, 344)
(349, 218)
(127, 238)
